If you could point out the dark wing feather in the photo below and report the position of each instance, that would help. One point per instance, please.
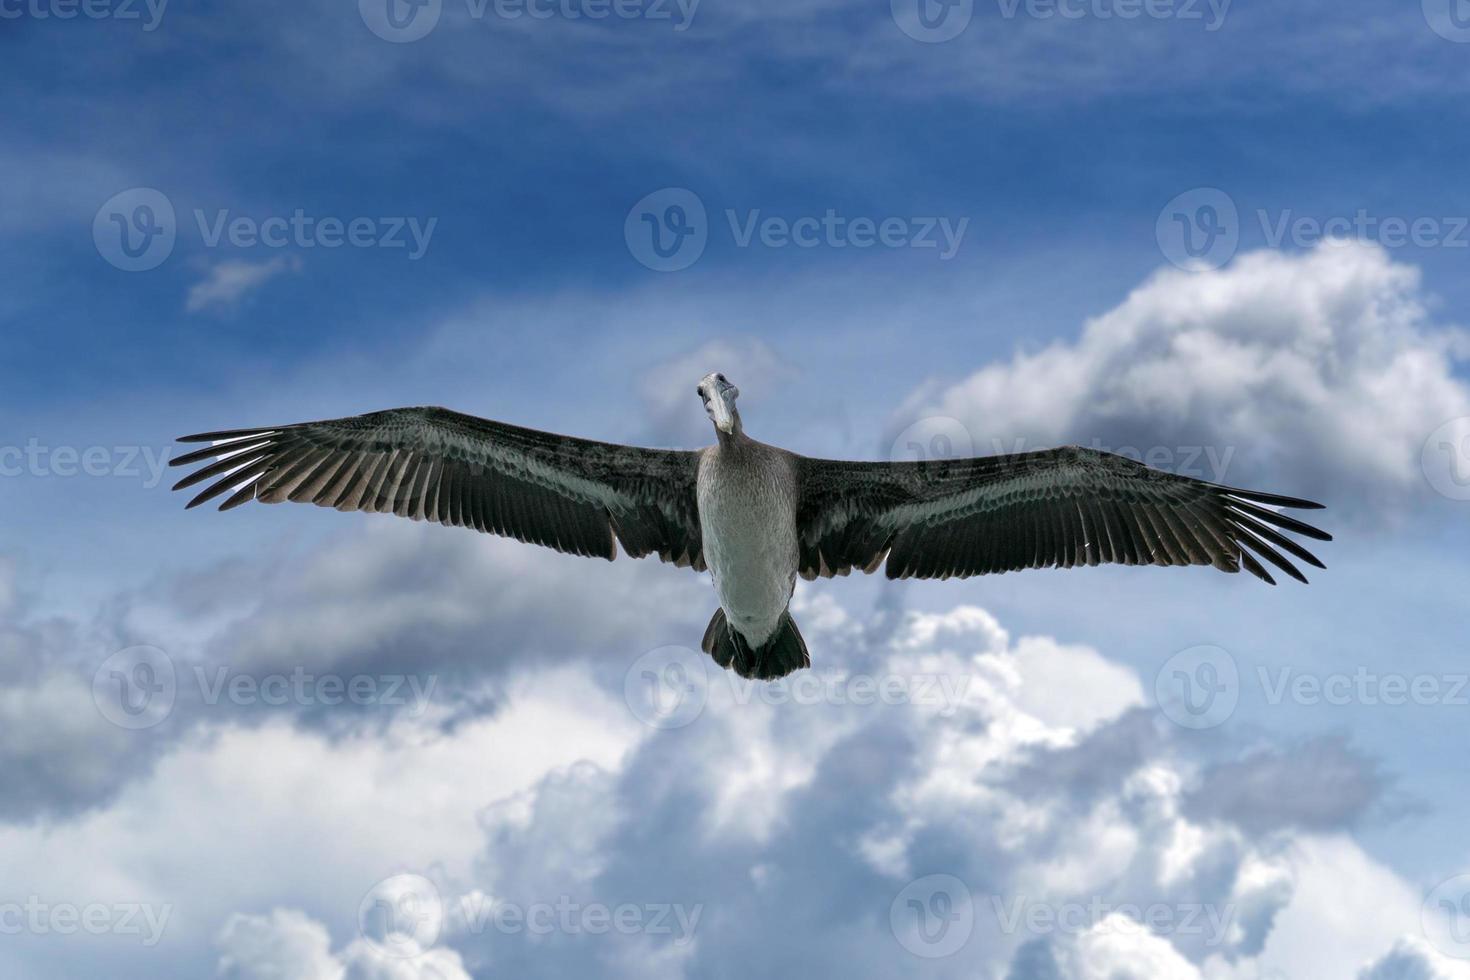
(1057, 508)
(574, 495)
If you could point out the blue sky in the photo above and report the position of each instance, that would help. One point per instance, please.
(1059, 153)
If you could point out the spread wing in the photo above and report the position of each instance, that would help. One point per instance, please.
(1056, 508)
(574, 495)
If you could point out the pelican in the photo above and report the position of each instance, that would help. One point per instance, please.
(755, 516)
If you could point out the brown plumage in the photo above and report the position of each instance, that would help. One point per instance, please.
(943, 519)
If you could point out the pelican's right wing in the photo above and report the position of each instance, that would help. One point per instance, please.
(1055, 508)
(574, 495)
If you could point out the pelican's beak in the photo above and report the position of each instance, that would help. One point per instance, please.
(722, 407)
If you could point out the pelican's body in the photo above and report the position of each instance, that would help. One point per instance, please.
(748, 515)
(754, 515)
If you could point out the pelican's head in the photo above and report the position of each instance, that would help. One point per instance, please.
(719, 397)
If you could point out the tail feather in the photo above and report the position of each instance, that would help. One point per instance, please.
(783, 653)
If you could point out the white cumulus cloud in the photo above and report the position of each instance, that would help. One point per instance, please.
(1318, 374)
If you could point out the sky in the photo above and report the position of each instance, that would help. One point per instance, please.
(1228, 238)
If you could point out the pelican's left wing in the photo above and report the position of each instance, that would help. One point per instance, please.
(1060, 507)
(574, 495)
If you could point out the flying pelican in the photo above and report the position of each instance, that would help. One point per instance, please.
(754, 515)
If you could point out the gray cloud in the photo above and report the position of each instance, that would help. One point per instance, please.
(1320, 785)
(1414, 959)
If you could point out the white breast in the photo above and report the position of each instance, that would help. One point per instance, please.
(747, 512)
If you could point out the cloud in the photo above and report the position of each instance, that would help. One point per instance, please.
(1414, 959)
(1321, 784)
(283, 945)
(288, 945)
(1315, 374)
(60, 755)
(739, 823)
(296, 821)
(228, 282)
(402, 597)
